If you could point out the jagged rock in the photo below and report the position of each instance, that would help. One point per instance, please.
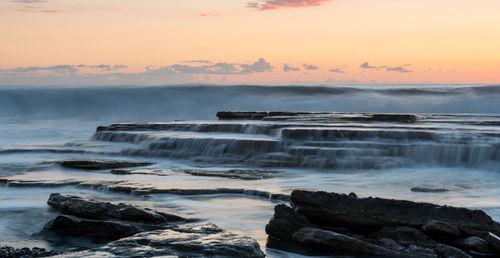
(74, 226)
(405, 235)
(473, 243)
(446, 251)
(441, 230)
(103, 210)
(340, 242)
(202, 240)
(285, 222)
(11, 252)
(332, 209)
(101, 164)
(494, 241)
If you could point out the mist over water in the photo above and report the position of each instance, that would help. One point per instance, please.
(119, 104)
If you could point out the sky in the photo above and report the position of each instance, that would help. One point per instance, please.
(271, 42)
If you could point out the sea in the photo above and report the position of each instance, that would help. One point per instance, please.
(450, 156)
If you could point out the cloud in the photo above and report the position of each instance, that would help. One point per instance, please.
(60, 69)
(337, 70)
(399, 69)
(103, 67)
(197, 61)
(111, 74)
(33, 6)
(276, 4)
(287, 68)
(365, 65)
(310, 67)
(31, 69)
(219, 68)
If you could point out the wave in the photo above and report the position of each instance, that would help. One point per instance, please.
(202, 102)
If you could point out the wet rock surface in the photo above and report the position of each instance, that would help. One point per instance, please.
(199, 240)
(98, 229)
(382, 227)
(252, 174)
(263, 115)
(92, 209)
(101, 164)
(138, 232)
(11, 252)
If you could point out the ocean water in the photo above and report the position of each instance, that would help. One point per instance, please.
(456, 146)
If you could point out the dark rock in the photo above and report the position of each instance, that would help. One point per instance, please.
(202, 240)
(252, 174)
(155, 172)
(420, 251)
(429, 190)
(74, 226)
(340, 242)
(473, 243)
(494, 241)
(391, 244)
(441, 230)
(93, 209)
(406, 235)
(258, 115)
(11, 252)
(285, 222)
(409, 118)
(101, 164)
(120, 172)
(446, 251)
(370, 214)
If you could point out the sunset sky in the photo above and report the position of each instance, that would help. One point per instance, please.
(158, 42)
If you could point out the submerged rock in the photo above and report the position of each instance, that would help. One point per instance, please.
(199, 240)
(245, 174)
(11, 252)
(101, 164)
(93, 209)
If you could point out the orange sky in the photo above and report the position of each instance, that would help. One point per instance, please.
(148, 41)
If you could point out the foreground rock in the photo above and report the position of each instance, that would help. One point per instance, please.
(200, 240)
(97, 229)
(11, 252)
(374, 213)
(382, 227)
(138, 232)
(101, 164)
(92, 209)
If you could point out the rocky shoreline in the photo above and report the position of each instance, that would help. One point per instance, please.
(390, 228)
(314, 223)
